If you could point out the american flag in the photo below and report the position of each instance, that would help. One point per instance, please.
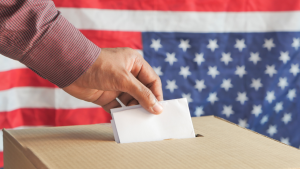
(238, 60)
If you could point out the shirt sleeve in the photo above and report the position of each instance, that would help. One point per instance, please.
(35, 33)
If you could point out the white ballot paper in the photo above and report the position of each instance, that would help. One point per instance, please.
(135, 124)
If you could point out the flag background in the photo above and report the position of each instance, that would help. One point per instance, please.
(27, 100)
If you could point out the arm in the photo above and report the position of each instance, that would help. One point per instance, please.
(36, 34)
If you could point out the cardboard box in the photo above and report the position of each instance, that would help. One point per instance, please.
(223, 145)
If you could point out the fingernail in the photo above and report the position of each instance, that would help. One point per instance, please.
(157, 108)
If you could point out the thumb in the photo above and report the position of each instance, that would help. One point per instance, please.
(143, 95)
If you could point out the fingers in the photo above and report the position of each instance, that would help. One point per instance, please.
(126, 98)
(143, 95)
(133, 102)
(107, 97)
(156, 89)
(124, 70)
(144, 72)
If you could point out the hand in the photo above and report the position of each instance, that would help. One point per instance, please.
(122, 73)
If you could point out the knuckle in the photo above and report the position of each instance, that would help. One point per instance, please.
(139, 55)
(127, 50)
(128, 53)
(132, 53)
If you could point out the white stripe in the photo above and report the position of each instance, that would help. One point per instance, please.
(168, 21)
(38, 97)
(7, 64)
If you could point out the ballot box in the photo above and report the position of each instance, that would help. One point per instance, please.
(220, 144)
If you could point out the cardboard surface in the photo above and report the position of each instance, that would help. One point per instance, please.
(223, 145)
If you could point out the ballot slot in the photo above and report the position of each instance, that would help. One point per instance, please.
(135, 124)
(199, 135)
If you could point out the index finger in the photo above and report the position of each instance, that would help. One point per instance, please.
(145, 74)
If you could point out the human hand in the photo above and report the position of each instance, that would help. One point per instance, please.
(122, 73)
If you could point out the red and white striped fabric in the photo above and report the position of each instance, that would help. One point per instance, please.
(27, 100)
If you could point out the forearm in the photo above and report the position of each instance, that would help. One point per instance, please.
(36, 34)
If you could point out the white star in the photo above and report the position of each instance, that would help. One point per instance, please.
(188, 97)
(284, 57)
(283, 82)
(199, 58)
(226, 58)
(171, 85)
(256, 110)
(254, 57)
(184, 71)
(264, 119)
(272, 130)
(291, 94)
(184, 44)
(294, 69)
(296, 43)
(270, 96)
(243, 123)
(278, 107)
(212, 98)
(270, 70)
(256, 84)
(269, 44)
(240, 44)
(212, 44)
(199, 111)
(285, 140)
(157, 70)
(155, 44)
(226, 84)
(200, 85)
(242, 97)
(287, 117)
(213, 71)
(227, 110)
(240, 71)
(171, 58)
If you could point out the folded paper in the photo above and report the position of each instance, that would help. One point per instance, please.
(135, 124)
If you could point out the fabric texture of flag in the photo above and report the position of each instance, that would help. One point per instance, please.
(238, 60)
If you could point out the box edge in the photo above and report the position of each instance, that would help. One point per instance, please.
(30, 156)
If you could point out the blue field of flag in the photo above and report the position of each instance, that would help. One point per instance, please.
(251, 79)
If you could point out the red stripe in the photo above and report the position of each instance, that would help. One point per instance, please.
(185, 5)
(21, 78)
(53, 117)
(112, 39)
(1, 159)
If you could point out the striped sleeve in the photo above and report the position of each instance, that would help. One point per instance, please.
(36, 34)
